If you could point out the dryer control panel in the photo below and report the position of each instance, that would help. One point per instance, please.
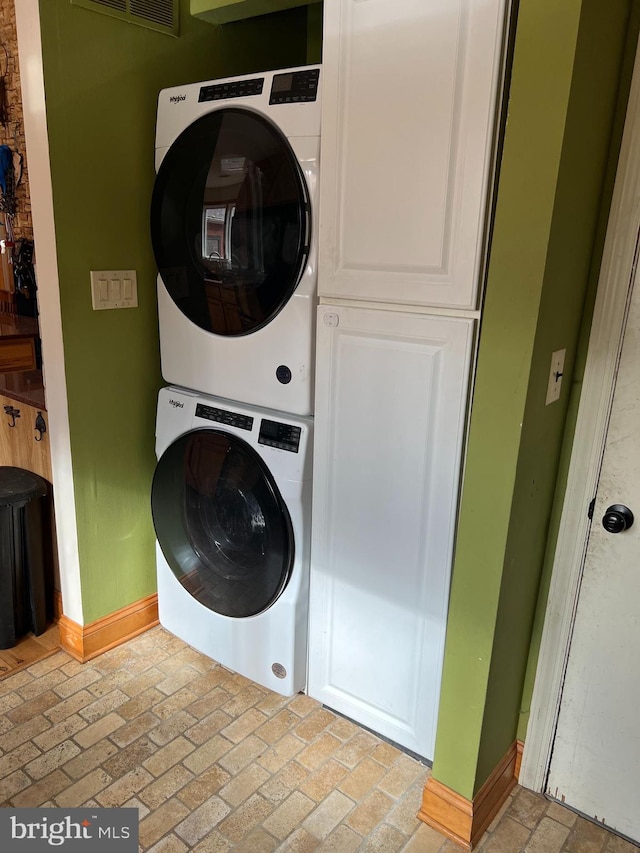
(276, 434)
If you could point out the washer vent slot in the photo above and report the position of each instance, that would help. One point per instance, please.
(160, 15)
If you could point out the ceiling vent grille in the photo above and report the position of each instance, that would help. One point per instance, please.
(160, 15)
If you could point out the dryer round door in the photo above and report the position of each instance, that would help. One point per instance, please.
(230, 222)
(221, 523)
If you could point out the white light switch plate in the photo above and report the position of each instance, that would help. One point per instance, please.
(114, 289)
(555, 376)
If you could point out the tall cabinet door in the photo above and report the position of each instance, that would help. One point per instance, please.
(390, 414)
(409, 97)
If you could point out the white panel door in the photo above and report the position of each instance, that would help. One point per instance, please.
(390, 415)
(595, 765)
(409, 103)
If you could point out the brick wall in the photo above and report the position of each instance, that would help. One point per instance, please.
(12, 133)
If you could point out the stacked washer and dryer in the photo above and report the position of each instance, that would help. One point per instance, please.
(233, 228)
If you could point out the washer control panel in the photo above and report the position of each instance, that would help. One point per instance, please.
(234, 89)
(222, 416)
(276, 434)
(295, 87)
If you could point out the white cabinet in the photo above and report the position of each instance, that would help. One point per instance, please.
(390, 414)
(409, 95)
(410, 90)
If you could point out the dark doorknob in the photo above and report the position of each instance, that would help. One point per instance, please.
(617, 518)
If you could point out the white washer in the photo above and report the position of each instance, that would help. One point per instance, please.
(231, 502)
(233, 226)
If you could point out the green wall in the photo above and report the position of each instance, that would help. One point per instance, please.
(566, 69)
(102, 77)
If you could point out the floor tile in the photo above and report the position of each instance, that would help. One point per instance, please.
(586, 837)
(290, 777)
(202, 820)
(328, 814)
(86, 788)
(384, 837)
(343, 839)
(509, 837)
(289, 815)
(240, 787)
(156, 792)
(318, 751)
(549, 836)
(527, 808)
(245, 818)
(161, 821)
(203, 786)
(370, 812)
(44, 789)
(362, 778)
(214, 763)
(274, 758)
(320, 784)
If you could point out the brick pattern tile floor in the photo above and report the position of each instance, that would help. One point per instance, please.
(213, 762)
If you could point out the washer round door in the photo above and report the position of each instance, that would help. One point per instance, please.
(230, 222)
(221, 523)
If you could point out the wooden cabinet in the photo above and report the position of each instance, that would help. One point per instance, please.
(390, 413)
(22, 445)
(409, 103)
(17, 352)
(7, 289)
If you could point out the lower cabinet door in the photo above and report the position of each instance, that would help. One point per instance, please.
(391, 400)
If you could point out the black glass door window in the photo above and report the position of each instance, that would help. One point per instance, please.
(221, 523)
(230, 220)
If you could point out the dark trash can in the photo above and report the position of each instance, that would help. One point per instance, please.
(23, 598)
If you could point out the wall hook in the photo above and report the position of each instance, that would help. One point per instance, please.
(13, 414)
(40, 427)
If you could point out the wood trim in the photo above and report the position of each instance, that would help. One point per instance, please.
(464, 821)
(448, 812)
(519, 751)
(489, 799)
(57, 605)
(84, 642)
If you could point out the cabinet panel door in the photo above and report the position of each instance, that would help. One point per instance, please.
(390, 415)
(409, 101)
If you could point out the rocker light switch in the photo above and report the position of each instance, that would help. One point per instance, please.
(114, 289)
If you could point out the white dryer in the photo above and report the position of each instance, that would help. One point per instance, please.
(233, 226)
(231, 502)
